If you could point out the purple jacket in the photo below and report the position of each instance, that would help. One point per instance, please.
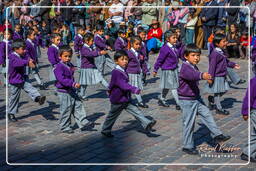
(143, 51)
(100, 42)
(120, 44)
(119, 87)
(252, 104)
(16, 36)
(64, 74)
(168, 59)
(87, 57)
(134, 65)
(38, 40)
(31, 51)
(78, 43)
(53, 55)
(181, 50)
(189, 77)
(3, 50)
(218, 63)
(16, 71)
(253, 56)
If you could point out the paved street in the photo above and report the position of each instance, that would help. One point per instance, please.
(35, 138)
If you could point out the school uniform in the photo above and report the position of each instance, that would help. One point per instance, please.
(101, 60)
(89, 74)
(145, 65)
(16, 36)
(181, 50)
(3, 56)
(78, 43)
(70, 103)
(233, 76)
(38, 43)
(17, 81)
(53, 58)
(245, 112)
(120, 44)
(120, 98)
(192, 104)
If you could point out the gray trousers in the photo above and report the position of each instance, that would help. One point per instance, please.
(70, 104)
(190, 108)
(253, 137)
(78, 60)
(15, 91)
(102, 60)
(116, 110)
(233, 76)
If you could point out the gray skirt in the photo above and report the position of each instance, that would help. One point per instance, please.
(99, 62)
(136, 80)
(51, 74)
(169, 79)
(90, 76)
(220, 85)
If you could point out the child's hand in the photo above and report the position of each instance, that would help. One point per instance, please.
(31, 64)
(141, 57)
(237, 66)
(107, 37)
(210, 82)
(109, 48)
(206, 76)
(77, 85)
(103, 52)
(154, 74)
(245, 117)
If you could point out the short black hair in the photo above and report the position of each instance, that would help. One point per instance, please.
(174, 28)
(99, 27)
(217, 29)
(121, 31)
(88, 37)
(135, 38)
(18, 43)
(54, 35)
(169, 33)
(191, 48)
(119, 54)
(217, 38)
(65, 48)
(141, 30)
(79, 27)
(30, 31)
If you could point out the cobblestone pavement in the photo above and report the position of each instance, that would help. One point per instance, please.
(35, 138)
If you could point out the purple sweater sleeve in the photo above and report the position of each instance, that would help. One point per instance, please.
(245, 109)
(213, 64)
(124, 85)
(18, 62)
(99, 43)
(51, 56)
(58, 72)
(160, 60)
(85, 52)
(191, 74)
(231, 64)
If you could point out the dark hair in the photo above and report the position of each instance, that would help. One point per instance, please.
(30, 31)
(54, 35)
(174, 28)
(141, 30)
(134, 38)
(191, 48)
(88, 37)
(99, 27)
(18, 43)
(217, 29)
(65, 48)
(17, 25)
(121, 31)
(119, 54)
(168, 34)
(9, 31)
(217, 38)
(79, 27)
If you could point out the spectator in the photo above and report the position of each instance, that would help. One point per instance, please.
(116, 11)
(149, 14)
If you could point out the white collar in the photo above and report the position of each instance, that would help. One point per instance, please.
(86, 45)
(132, 49)
(218, 49)
(79, 35)
(6, 41)
(170, 45)
(30, 41)
(120, 68)
(121, 39)
(16, 54)
(55, 46)
(190, 64)
(99, 36)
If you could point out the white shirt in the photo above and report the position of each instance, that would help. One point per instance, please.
(16, 54)
(135, 52)
(55, 46)
(30, 41)
(120, 68)
(172, 48)
(117, 8)
(79, 35)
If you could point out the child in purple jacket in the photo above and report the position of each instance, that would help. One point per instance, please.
(89, 74)
(6, 42)
(218, 63)
(16, 34)
(70, 103)
(120, 97)
(168, 60)
(121, 42)
(18, 80)
(134, 70)
(246, 107)
(191, 101)
(78, 43)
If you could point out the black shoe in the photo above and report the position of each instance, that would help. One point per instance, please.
(12, 118)
(241, 81)
(177, 107)
(42, 87)
(70, 131)
(221, 138)
(222, 112)
(141, 104)
(191, 151)
(162, 103)
(246, 158)
(87, 126)
(150, 125)
(109, 135)
(211, 102)
(40, 99)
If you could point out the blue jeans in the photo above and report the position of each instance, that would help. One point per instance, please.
(190, 36)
